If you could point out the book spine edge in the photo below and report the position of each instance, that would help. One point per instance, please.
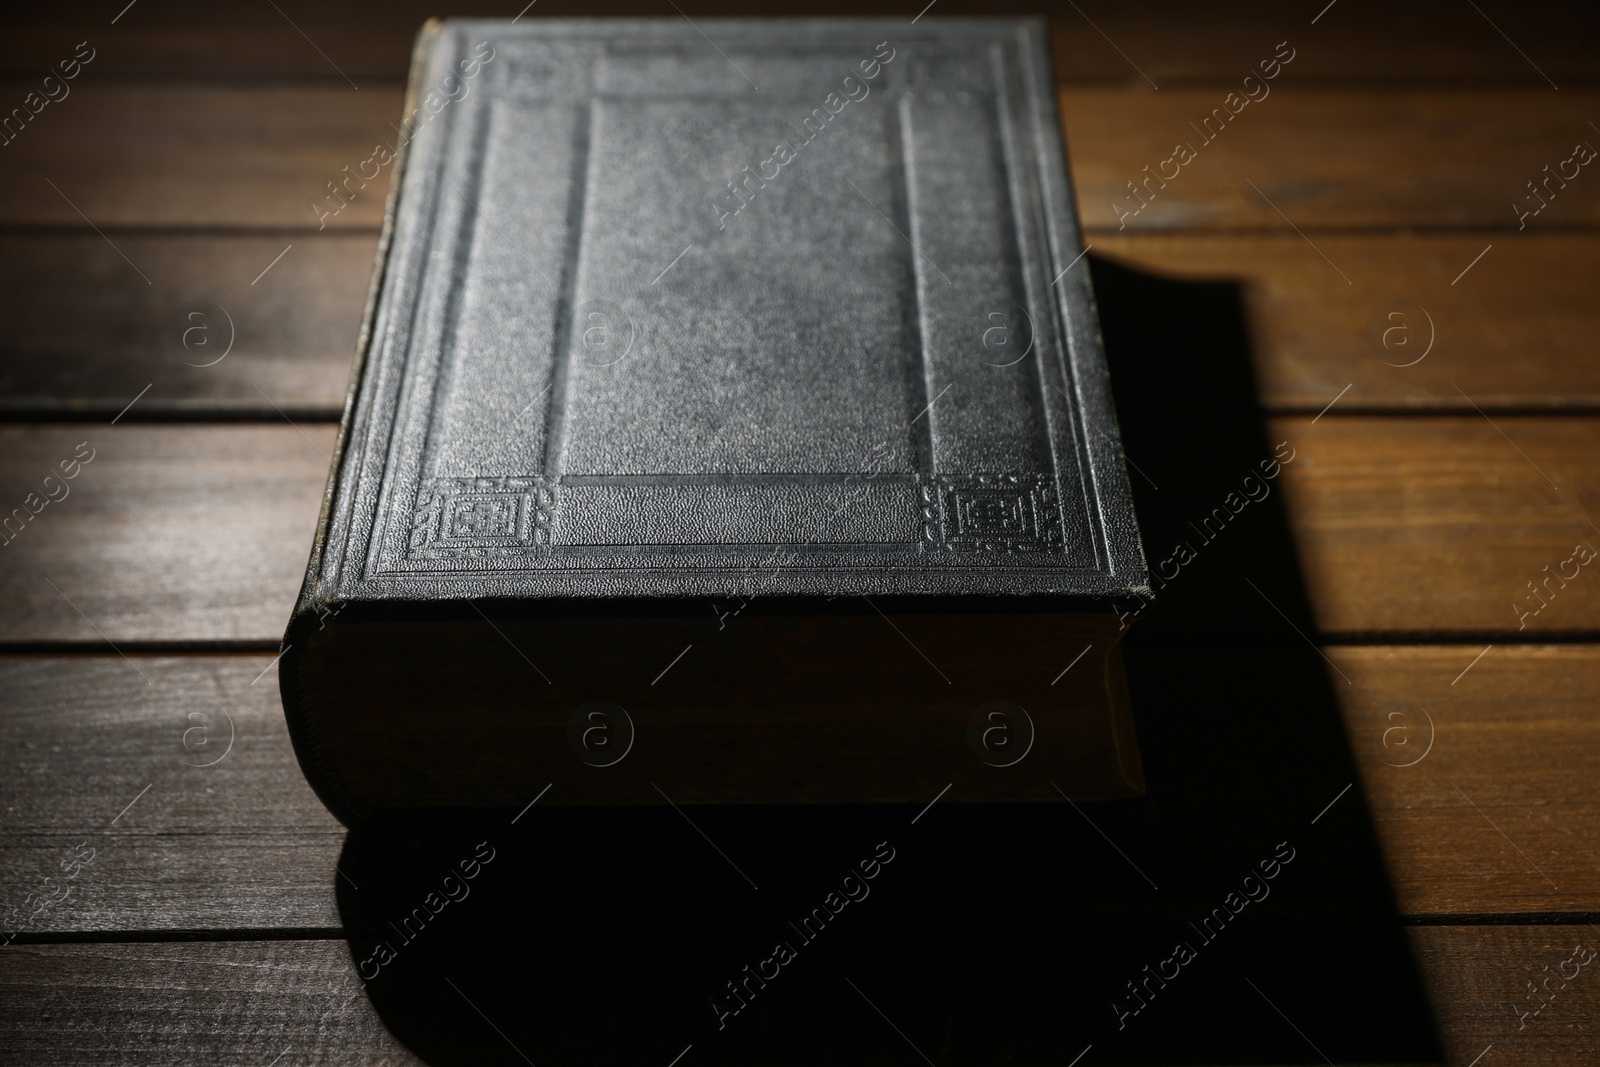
(318, 599)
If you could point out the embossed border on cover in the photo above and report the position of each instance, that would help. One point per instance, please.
(1001, 520)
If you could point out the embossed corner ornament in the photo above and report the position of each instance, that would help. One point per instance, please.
(476, 516)
(991, 513)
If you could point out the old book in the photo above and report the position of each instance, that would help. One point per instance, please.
(730, 424)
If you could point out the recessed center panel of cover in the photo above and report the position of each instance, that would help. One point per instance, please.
(770, 318)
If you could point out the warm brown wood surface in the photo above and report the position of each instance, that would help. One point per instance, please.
(1479, 973)
(1515, 736)
(87, 334)
(198, 156)
(1509, 333)
(1419, 507)
(178, 772)
(1317, 159)
(193, 157)
(157, 508)
(1418, 525)
(1518, 332)
(1439, 524)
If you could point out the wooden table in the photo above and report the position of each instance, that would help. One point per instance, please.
(1341, 270)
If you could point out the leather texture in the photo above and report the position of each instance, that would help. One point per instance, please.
(787, 308)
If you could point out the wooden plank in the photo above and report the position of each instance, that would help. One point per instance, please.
(87, 334)
(1469, 795)
(1517, 332)
(1479, 979)
(247, 1002)
(135, 155)
(171, 884)
(1432, 40)
(212, 333)
(1403, 526)
(1310, 159)
(199, 739)
(1494, 818)
(156, 793)
(240, 1002)
(259, 157)
(1382, 527)
(1497, 816)
(1444, 524)
(190, 534)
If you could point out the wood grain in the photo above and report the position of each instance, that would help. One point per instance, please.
(1314, 160)
(1440, 524)
(213, 156)
(174, 777)
(1404, 526)
(233, 1003)
(1518, 331)
(86, 334)
(1497, 817)
(1430, 40)
(258, 157)
(192, 534)
(1476, 974)
(246, 1002)
(195, 127)
(87, 734)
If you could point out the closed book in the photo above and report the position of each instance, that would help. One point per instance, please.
(730, 424)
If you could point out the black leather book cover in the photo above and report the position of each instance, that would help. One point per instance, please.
(675, 316)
